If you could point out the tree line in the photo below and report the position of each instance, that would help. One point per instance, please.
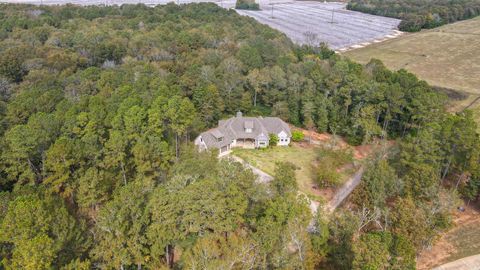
(417, 15)
(97, 109)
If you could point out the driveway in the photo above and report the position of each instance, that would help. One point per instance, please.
(262, 177)
(342, 193)
(468, 263)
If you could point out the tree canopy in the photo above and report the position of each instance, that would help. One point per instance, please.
(98, 106)
(419, 14)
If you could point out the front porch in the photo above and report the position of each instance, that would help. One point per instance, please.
(245, 143)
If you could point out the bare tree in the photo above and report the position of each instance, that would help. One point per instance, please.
(366, 216)
(311, 38)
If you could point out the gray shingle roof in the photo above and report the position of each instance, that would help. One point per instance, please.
(235, 128)
(217, 133)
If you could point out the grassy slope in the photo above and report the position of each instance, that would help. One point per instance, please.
(447, 56)
(302, 156)
(265, 160)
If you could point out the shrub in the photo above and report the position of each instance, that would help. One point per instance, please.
(273, 140)
(328, 176)
(329, 162)
(297, 136)
(247, 4)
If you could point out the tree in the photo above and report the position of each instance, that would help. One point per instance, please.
(246, 4)
(284, 181)
(273, 139)
(371, 251)
(11, 62)
(116, 153)
(283, 223)
(213, 251)
(319, 235)
(121, 226)
(208, 103)
(297, 136)
(383, 250)
(179, 113)
(43, 233)
(94, 188)
(35, 253)
(411, 222)
(62, 161)
(343, 229)
(378, 184)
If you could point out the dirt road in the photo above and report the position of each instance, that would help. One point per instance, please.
(343, 192)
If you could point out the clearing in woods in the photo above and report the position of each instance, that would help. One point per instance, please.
(304, 156)
(446, 57)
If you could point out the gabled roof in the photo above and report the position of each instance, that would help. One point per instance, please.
(235, 128)
(217, 133)
(276, 125)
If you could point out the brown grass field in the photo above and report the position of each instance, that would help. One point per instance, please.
(445, 57)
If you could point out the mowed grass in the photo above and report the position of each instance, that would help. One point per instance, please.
(303, 156)
(448, 56)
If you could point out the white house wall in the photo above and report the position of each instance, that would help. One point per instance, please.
(200, 143)
(283, 139)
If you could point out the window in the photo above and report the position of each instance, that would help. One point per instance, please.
(248, 130)
(220, 139)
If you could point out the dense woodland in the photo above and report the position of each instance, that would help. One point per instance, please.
(97, 109)
(419, 14)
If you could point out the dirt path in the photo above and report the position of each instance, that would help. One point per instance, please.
(262, 177)
(343, 192)
(340, 195)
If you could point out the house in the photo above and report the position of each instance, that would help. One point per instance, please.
(245, 132)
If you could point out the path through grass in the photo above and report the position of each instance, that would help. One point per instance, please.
(301, 155)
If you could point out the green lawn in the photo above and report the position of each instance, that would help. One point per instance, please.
(302, 156)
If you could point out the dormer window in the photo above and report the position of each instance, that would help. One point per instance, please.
(248, 126)
(218, 135)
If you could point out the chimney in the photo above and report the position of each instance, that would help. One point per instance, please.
(239, 114)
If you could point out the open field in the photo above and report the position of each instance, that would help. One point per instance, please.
(447, 57)
(311, 22)
(305, 22)
(461, 241)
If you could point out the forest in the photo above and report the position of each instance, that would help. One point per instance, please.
(98, 106)
(419, 14)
